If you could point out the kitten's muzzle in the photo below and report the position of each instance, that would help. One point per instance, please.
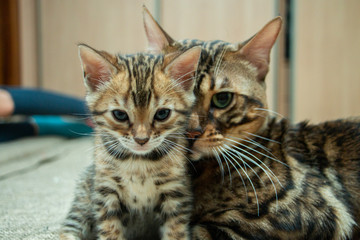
(141, 141)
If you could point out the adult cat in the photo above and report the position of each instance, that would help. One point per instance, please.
(258, 177)
(138, 186)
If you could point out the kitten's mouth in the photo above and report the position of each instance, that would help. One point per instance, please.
(142, 149)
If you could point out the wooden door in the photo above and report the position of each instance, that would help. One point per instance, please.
(9, 43)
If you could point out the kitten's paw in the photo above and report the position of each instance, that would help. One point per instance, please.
(68, 236)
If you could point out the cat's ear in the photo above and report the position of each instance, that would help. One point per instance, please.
(157, 38)
(183, 67)
(257, 49)
(96, 68)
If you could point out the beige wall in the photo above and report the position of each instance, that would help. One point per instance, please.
(51, 61)
(325, 76)
(229, 20)
(116, 25)
(110, 25)
(28, 43)
(326, 59)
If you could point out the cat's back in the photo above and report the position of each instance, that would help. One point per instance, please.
(319, 198)
(335, 142)
(332, 150)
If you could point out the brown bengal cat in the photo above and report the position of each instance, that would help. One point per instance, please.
(257, 177)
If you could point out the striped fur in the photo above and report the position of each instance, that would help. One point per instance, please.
(138, 186)
(257, 177)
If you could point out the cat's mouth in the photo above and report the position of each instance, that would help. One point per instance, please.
(203, 143)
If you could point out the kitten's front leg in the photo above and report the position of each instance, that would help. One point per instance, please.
(109, 211)
(176, 210)
(110, 229)
(68, 236)
(175, 228)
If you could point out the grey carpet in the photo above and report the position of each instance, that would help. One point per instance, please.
(37, 179)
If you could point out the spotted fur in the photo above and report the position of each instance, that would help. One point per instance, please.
(138, 186)
(258, 177)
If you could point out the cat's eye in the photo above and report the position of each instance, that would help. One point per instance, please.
(221, 100)
(120, 116)
(162, 114)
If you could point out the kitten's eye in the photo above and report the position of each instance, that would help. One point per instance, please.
(162, 114)
(221, 100)
(121, 116)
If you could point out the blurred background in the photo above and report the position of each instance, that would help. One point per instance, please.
(315, 72)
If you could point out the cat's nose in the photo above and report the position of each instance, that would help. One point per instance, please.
(141, 141)
(194, 133)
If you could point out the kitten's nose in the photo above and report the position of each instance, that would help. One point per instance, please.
(141, 141)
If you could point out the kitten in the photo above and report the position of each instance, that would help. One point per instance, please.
(258, 177)
(138, 186)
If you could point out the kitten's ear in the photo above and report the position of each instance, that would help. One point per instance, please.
(183, 67)
(157, 38)
(97, 69)
(257, 49)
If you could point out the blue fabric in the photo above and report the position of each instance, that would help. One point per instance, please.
(43, 126)
(56, 125)
(12, 131)
(45, 108)
(40, 102)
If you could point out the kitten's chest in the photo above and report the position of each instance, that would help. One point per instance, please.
(140, 192)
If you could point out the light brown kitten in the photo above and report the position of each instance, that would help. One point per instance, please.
(138, 186)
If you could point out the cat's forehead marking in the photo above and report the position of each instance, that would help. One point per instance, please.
(141, 68)
(223, 82)
(141, 98)
(211, 59)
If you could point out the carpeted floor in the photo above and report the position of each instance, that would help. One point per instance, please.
(37, 179)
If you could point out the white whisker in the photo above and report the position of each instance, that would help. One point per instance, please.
(241, 156)
(270, 111)
(252, 155)
(218, 62)
(248, 177)
(263, 154)
(176, 82)
(258, 165)
(219, 160)
(178, 145)
(251, 141)
(258, 136)
(242, 179)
